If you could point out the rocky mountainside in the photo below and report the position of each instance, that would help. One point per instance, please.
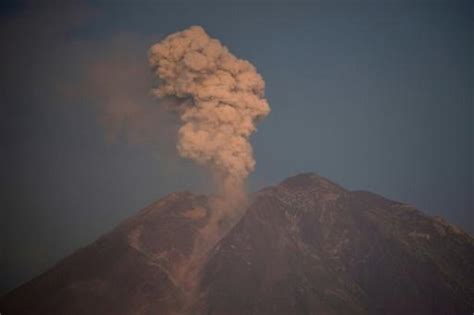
(305, 246)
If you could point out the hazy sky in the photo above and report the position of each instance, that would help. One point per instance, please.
(374, 96)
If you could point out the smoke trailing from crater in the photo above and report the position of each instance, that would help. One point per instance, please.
(219, 99)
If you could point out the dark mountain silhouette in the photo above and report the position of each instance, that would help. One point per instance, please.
(305, 246)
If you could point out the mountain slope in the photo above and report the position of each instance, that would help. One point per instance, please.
(305, 246)
(308, 246)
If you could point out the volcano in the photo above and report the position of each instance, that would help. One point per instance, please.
(304, 246)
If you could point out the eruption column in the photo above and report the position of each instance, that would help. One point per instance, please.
(219, 98)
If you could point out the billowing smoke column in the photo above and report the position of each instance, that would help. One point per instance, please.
(220, 99)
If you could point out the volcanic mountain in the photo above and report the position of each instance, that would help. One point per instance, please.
(305, 246)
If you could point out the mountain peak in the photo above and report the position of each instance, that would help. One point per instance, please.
(308, 181)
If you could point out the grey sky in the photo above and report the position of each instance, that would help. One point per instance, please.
(372, 96)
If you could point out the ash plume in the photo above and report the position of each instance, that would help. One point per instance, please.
(219, 99)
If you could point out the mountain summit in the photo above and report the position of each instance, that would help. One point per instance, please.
(305, 246)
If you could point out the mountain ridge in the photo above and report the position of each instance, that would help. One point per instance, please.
(304, 246)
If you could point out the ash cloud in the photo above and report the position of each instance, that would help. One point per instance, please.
(219, 99)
